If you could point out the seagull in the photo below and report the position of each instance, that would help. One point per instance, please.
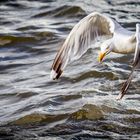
(98, 27)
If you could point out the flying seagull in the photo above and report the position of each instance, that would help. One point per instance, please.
(97, 26)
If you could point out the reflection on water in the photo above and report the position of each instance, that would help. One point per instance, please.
(81, 104)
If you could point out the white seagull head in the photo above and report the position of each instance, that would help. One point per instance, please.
(106, 48)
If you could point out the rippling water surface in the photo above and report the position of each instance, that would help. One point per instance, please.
(81, 104)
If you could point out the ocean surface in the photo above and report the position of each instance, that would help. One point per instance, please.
(82, 104)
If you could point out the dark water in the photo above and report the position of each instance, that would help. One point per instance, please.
(81, 105)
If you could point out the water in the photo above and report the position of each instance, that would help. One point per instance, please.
(81, 104)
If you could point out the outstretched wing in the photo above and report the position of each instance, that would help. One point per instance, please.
(136, 64)
(137, 50)
(89, 29)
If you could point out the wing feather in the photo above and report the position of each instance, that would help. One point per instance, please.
(89, 29)
(137, 50)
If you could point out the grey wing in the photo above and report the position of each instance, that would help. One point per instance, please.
(137, 50)
(136, 64)
(78, 41)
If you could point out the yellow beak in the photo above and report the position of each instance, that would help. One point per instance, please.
(101, 56)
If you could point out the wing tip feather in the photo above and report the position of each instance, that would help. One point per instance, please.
(53, 75)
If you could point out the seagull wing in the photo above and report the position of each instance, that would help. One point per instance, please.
(136, 64)
(89, 29)
(137, 50)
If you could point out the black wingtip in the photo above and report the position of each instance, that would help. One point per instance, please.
(125, 86)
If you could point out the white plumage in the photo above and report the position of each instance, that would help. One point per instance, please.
(93, 27)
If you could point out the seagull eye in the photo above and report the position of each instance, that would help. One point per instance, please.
(107, 48)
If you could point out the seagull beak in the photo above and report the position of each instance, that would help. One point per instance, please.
(101, 56)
